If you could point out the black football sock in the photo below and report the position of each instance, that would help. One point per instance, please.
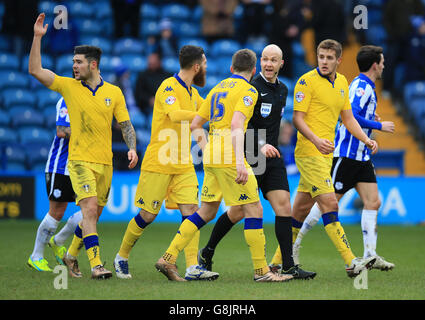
(283, 230)
(221, 228)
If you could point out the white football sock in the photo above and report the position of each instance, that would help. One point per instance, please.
(369, 229)
(68, 229)
(309, 222)
(45, 230)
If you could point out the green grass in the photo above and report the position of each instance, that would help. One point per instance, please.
(402, 245)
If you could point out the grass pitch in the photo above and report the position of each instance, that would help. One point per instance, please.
(402, 245)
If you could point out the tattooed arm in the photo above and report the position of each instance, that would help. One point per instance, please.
(129, 136)
(63, 132)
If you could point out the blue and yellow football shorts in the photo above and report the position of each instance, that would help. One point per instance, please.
(315, 175)
(153, 188)
(90, 180)
(220, 183)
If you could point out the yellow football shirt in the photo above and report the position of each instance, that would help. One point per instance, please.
(322, 101)
(169, 148)
(232, 94)
(90, 114)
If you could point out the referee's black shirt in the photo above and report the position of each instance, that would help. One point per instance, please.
(268, 111)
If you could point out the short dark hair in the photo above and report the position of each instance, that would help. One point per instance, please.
(330, 44)
(90, 53)
(244, 60)
(367, 56)
(190, 55)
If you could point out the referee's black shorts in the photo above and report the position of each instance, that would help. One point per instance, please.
(346, 173)
(59, 187)
(273, 178)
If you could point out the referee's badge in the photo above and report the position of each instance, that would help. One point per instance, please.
(339, 185)
(108, 101)
(265, 109)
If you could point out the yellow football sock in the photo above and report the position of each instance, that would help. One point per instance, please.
(336, 233)
(277, 257)
(254, 237)
(185, 234)
(91, 242)
(135, 228)
(191, 251)
(77, 242)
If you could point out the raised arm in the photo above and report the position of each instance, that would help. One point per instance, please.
(45, 76)
(129, 136)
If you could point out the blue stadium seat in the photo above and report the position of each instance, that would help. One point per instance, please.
(212, 81)
(46, 60)
(9, 62)
(81, 9)
(26, 116)
(104, 43)
(197, 14)
(256, 45)
(194, 42)
(224, 47)
(15, 153)
(298, 49)
(148, 28)
(88, 27)
(224, 64)
(13, 79)
(213, 67)
(108, 63)
(47, 7)
(171, 64)
(186, 29)
(149, 11)
(16, 167)
(128, 45)
(134, 62)
(414, 90)
(35, 135)
(103, 10)
(64, 64)
(376, 35)
(175, 12)
(46, 98)
(416, 107)
(15, 97)
(109, 76)
(49, 114)
(8, 135)
(36, 154)
(5, 44)
(4, 118)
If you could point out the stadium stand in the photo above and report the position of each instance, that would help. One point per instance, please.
(27, 109)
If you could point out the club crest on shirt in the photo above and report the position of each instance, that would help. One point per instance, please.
(247, 100)
(299, 96)
(86, 188)
(170, 100)
(265, 109)
(108, 101)
(342, 93)
(360, 92)
(155, 204)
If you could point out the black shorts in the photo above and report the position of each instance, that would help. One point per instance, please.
(59, 188)
(274, 178)
(346, 173)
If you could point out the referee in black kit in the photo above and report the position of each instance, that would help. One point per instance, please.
(271, 173)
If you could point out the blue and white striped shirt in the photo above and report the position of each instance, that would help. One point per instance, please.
(363, 101)
(58, 156)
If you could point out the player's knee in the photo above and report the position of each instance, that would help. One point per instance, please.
(373, 204)
(147, 216)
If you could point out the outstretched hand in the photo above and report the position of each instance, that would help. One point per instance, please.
(40, 28)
